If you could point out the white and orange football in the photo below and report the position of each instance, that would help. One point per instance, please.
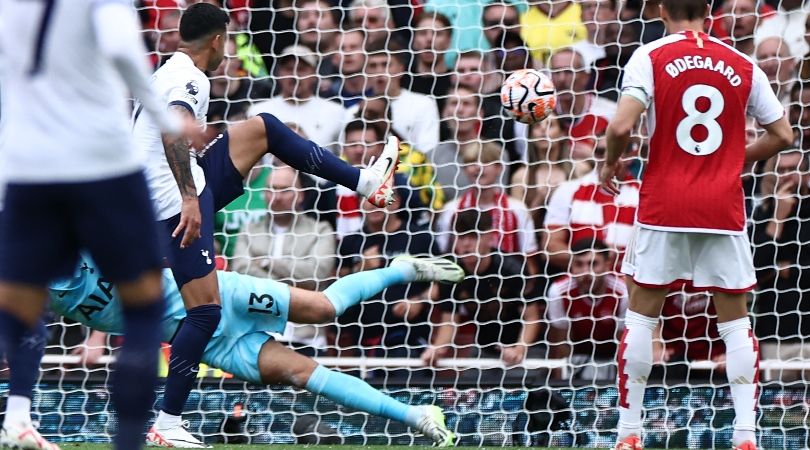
(528, 95)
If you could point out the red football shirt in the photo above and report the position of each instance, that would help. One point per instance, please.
(689, 327)
(698, 91)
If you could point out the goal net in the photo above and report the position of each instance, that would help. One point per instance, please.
(523, 351)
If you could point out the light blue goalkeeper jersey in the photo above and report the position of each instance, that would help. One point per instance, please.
(249, 304)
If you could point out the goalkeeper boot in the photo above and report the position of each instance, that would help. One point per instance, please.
(384, 169)
(433, 426)
(173, 437)
(747, 445)
(432, 269)
(631, 442)
(24, 436)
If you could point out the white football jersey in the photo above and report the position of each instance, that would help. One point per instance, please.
(178, 82)
(65, 106)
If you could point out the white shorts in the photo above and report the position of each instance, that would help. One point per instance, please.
(703, 261)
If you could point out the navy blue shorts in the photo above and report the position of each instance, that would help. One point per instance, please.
(44, 226)
(223, 184)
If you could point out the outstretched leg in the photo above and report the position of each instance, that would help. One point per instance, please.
(303, 372)
(251, 139)
(320, 307)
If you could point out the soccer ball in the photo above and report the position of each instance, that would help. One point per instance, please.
(528, 96)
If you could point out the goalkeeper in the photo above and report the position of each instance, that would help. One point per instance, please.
(252, 307)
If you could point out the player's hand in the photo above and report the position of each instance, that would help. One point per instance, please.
(607, 177)
(190, 221)
(513, 355)
(92, 350)
(721, 362)
(432, 355)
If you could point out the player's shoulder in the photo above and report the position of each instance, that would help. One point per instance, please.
(561, 287)
(731, 50)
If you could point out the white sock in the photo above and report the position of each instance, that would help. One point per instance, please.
(367, 183)
(635, 362)
(165, 420)
(742, 369)
(18, 409)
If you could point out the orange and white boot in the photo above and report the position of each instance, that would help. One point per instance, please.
(384, 168)
(24, 436)
(631, 442)
(746, 445)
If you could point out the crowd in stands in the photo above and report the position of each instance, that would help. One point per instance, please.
(517, 206)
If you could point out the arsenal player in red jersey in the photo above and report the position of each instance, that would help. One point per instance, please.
(690, 225)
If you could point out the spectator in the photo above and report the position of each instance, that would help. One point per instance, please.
(586, 308)
(429, 72)
(290, 247)
(169, 33)
(547, 167)
(789, 24)
(317, 27)
(736, 24)
(513, 227)
(781, 229)
(414, 116)
(574, 99)
(601, 22)
(774, 58)
(579, 209)
(395, 324)
(374, 17)
(799, 114)
(499, 18)
(413, 164)
(232, 89)
(513, 54)
(549, 26)
(350, 86)
(476, 72)
(468, 33)
(285, 245)
(492, 297)
(462, 117)
(297, 101)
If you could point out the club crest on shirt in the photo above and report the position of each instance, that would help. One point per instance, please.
(192, 88)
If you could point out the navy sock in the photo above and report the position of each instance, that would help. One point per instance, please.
(134, 380)
(24, 360)
(307, 156)
(187, 350)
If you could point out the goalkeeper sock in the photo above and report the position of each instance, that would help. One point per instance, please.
(134, 380)
(357, 287)
(635, 362)
(24, 363)
(357, 394)
(187, 350)
(307, 156)
(742, 369)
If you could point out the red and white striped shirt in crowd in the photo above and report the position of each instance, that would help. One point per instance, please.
(588, 212)
(593, 319)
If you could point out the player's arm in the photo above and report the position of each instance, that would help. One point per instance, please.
(177, 155)
(619, 131)
(118, 34)
(765, 107)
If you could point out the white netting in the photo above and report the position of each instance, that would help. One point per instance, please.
(348, 75)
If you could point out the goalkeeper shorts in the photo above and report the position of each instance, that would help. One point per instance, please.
(699, 261)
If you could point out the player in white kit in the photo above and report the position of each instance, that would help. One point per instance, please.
(690, 223)
(187, 192)
(74, 182)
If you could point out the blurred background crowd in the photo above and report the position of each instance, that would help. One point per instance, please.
(517, 206)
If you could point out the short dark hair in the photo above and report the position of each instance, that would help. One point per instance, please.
(362, 125)
(438, 17)
(389, 48)
(585, 245)
(201, 20)
(471, 220)
(686, 9)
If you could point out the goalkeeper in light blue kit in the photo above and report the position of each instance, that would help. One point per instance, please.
(253, 307)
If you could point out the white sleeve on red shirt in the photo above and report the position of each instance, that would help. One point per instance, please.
(763, 105)
(558, 211)
(526, 229)
(637, 80)
(555, 314)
